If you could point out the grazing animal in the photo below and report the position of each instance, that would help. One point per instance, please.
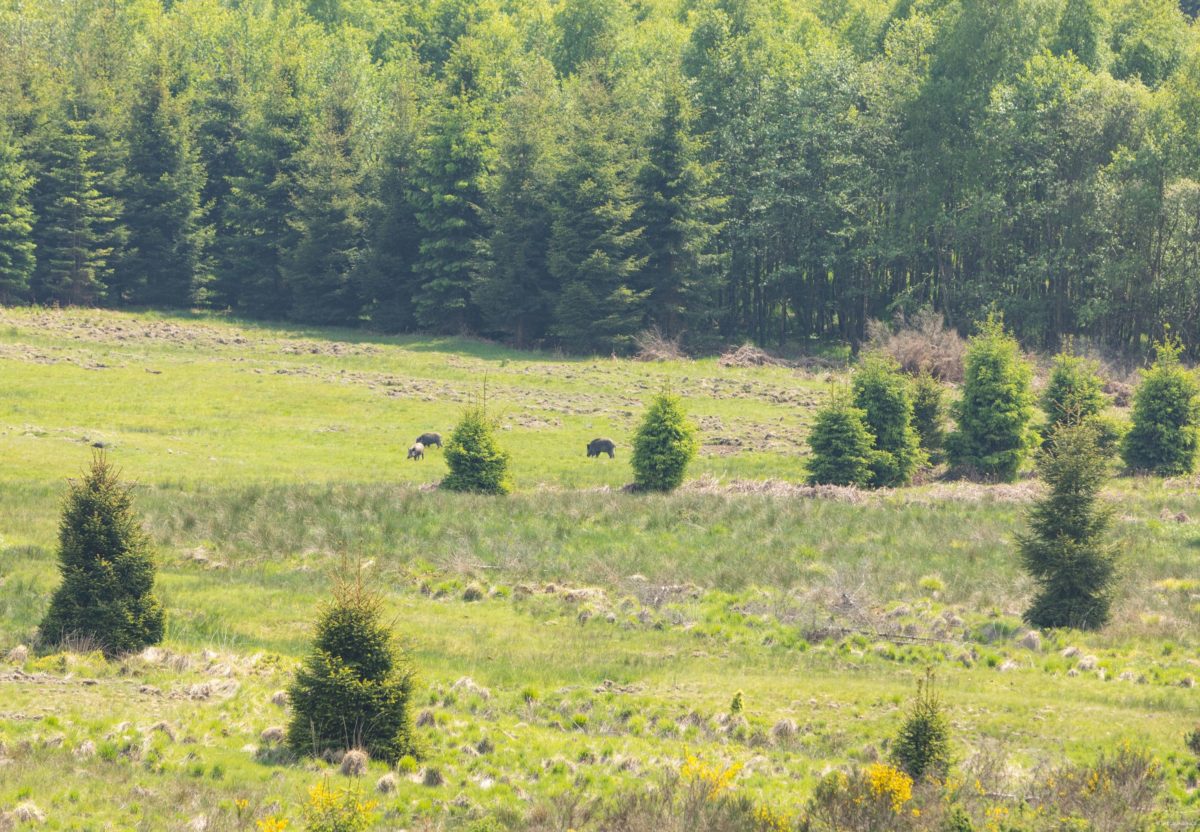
(417, 451)
(601, 446)
(430, 439)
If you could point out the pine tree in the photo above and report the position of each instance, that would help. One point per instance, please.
(164, 264)
(840, 444)
(261, 200)
(354, 690)
(16, 224)
(319, 271)
(922, 747)
(664, 445)
(1166, 417)
(516, 294)
(451, 176)
(675, 211)
(929, 413)
(995, 411)
(881, 393)
(107, 568)
(476, 461)
(593, 241)
(77, 231)
(1064, 550)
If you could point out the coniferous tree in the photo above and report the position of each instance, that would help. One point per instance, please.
(841, 446)
(319, 270)
(107, 591)
(593, 241)
(261, 200)
(664, 445)
(451, 176)
(16, 224)
(517, 294)
(220, 135)
(675, 210)
(1079, 32)
(881, 392)
(994, 414)
(929, 413)
(1064, 551)
(476, 461)
(77, 230)
(1166, 417)
(164, 263)
(922, 747)
(1074, 392)
(354, 690)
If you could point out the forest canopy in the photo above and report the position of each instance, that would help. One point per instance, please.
(573, 173)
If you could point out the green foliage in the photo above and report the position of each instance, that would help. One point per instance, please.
(1064, 550)
(994, 414)
(1166, 417)
(107, 568)
(929, 413)
(477, 462)
(881, 392)
(1074, 393)
(922, 747)
(841, 445)
(664, 445)
(16, 224)
(354, 688)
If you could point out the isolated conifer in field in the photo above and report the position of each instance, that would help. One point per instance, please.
(881, 392)
(922, 748)
(106, 595)
(1166, 417)
(664, 445)
(929, 413)
(477, 462)
(994, 413)
(1064, 550)
(841, 445)
(1074, 392)
(354, 689)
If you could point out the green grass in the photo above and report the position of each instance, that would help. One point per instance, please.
(615, 629)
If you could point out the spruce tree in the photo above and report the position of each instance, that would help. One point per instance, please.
(354, 690)
(16, 224)
(881, 392)
(164, 263)
(107, 568)
(675, 210)
(841, 446)
(922, 747)
(77, 230)
(593, 253)
(220, 133)
(320, 269)
(260, 203)
(1166, 417)
(451, 176)
(994, 414)
(664, 445)
(929, 413)
(1065, 550)
(476, 461)
(1074, 393)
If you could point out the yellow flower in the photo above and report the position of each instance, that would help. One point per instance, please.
(890, 783)
(712, 779)
(272, 824)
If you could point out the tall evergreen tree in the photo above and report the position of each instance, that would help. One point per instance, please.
(219, 137)
(77, 231)
(164, 263)
(675, 211)
(16, 224)
(593, 242)
(516, 295)
(261, 200)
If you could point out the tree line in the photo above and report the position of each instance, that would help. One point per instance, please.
(573, 173)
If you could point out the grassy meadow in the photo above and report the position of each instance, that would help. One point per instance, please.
(573, 641)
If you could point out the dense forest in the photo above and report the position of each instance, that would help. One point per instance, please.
(572, 173)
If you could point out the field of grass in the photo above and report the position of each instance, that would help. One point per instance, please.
(614, 630)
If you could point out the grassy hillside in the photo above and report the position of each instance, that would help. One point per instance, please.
(612, 631)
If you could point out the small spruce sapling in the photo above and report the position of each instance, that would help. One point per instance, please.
(841, 445)
(664, 446)
(922, 748)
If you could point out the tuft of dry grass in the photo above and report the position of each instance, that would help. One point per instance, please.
(924, 343)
